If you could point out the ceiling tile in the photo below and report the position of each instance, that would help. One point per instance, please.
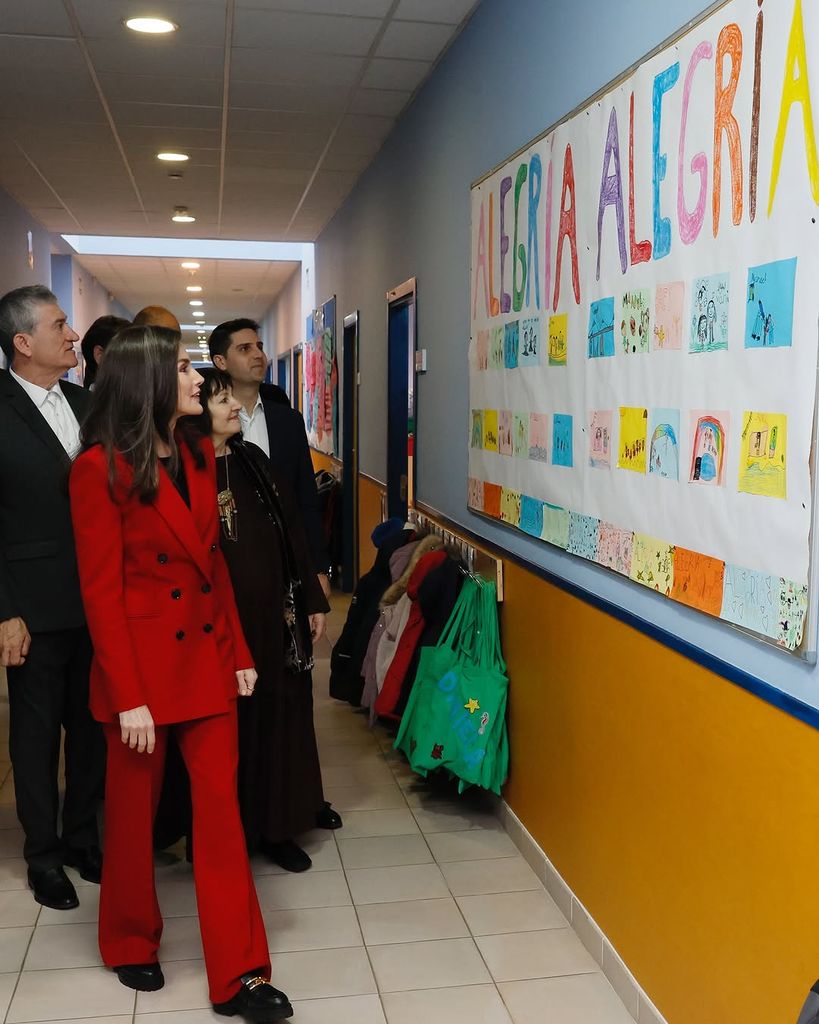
(396, 74)
(166, 115)
(44, 110)
(169, 138)
(161, 89)
(449, 12)
(157, 56)
(38, 17)
(309, 33)
(356, 8)
(386, 102)
(278, 142)
(31, 52)
(199, 22)
(368, 125)
(324, 98)
(257, 65)
(242, 119)
(414, 40)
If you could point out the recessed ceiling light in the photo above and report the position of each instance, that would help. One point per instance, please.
(152, 26)
(173, 158)
(195, 302)
(181, 215)
(189, 265)
(194, 288)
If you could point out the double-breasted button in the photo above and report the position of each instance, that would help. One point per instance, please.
(176, 593)
(162, 559)
(213, 547)
(208, 627)
(206, 588)
(180, 634)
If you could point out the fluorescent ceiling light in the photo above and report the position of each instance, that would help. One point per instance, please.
(194, 288)
(181, 216)
(151, 26)
(189, 265)
(195, 302)
(173, 158)
(191, 248)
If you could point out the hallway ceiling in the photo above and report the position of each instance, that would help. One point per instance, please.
(280, 104)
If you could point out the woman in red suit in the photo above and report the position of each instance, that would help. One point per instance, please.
(169, 655)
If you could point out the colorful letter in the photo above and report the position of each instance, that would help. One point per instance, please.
(662, 225)
(728, 44)
(611, 192)
(494, 304)
(691, 223)
(480, 261)
(547, 241)
(755, 114)
(505, 185)
(535, 175)
(518, 251)
(795, 89)
(640, 251)
(568, 228)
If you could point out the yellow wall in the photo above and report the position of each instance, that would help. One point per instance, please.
(369, 516)
(682, 810)
(322, 461)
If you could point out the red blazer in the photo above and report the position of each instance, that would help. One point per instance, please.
(156, 591)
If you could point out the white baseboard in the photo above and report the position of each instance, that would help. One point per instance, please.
(622, 980)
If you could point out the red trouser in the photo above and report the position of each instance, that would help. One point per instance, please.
(233, 935)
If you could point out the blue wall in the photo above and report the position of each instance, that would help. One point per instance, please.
(517, 68)
(15, 222)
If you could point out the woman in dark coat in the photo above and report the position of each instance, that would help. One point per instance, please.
(281, 608)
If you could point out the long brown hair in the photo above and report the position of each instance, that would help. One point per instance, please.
(134, 400)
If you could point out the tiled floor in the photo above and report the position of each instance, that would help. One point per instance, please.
(419, 911)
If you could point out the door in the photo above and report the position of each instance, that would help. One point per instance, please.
(297, 396)
(401, 412)
(283, 372)
(349, 453)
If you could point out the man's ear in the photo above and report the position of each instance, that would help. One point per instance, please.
(22, 344)
(220, 363)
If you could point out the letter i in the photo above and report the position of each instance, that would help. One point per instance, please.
(755, 111)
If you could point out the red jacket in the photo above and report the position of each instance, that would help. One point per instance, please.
(157, 594)
(387, 700)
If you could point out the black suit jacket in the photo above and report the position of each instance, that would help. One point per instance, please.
(290, 456)
(38, 565)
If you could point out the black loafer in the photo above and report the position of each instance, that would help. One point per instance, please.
(256, 1000)
(287, 855)
(88, 862)
(328, 818)
(142, 977)
(52, 888)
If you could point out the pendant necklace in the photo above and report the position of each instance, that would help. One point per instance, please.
(228, 512)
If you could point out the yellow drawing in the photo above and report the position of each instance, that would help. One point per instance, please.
(558, 334)
(633, 431)
(764, 454)
(652, 563)
(472, 706)
(490, 430)
(510, 506)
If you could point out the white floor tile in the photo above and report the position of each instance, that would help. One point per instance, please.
(291, 892)
(476, 1004)
(356, 775)
(511, 912)
(369, 797)
(180, 939)
(323, 973)
(11, 842)
(402, 967)
(443, 817)
(312, 928)
(323, 853)
(362, 824)
(580, 999)
(85, 913)
(8, 983)
(344, 1010)
(13, 874)
(411, 921)
(341, 754)
(384, 851)
(521, 955)
(8, 816)
(63, 946)
(477, 844)
(82, 992)
(469, 878)
(17, 908)
(13, 945)
(204, 1015)
(177, 898)
(186, 988)
(388, 885)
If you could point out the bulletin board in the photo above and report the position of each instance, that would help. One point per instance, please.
(321, 379)
(644, 310)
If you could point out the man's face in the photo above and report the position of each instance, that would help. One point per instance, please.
(245, 360)
(49, 348)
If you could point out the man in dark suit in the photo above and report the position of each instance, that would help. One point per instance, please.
(44, 643)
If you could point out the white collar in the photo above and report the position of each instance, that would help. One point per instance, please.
(37, 394)
(250, 415)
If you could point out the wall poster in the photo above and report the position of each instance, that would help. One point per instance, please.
(321, 379)
(644, 323)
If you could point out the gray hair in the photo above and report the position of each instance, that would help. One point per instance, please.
(19, 313)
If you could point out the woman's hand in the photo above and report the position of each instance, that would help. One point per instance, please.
(317, 624)
(246, 678)
(137, 727)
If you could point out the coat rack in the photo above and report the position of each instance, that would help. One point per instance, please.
(476, 559)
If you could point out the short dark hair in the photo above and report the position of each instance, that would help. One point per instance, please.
(214, 382)
(222, 334)
(99, 333)
(19, 313)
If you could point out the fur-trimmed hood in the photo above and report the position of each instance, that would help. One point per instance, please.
(395, 592)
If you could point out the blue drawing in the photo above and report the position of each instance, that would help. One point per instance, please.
(530, 342)
(531, 515)
(769, 305)
(664, 443)
(562, 442)
(583, 535)
(601, 328)
(511, 344)
(709, 314)
(750, 599)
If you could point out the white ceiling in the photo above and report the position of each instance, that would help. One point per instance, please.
(281, 104)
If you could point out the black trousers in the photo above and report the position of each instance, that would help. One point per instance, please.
(47, 694)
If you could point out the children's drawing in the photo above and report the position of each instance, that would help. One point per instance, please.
(709, 314)
(698, 580)
(482, 350)
(769, 305)
(490, 430)
(520, 435)
(562, 446)
(505, 432)
(652, 563)
(614, 548)
(750, 599)
(558, 339)
(763, 459)
(474, 496)
(633, 428)
(664, 443)
(511, 344)
(529, 342)
(600, 439)
(496, 348)
(555, 525)
(583, 535)
(539, 437)
(477, 429)
(668, 315)
(635, 320)
(510, 506)
(793, 607)
(531, 516)
(710, 433)
(492, 500)
(601, 328)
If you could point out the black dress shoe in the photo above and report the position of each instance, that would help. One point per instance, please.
(88, 862)
(52, 888)
(142, 977)
(328, 818)
(287, 855)
(256, 1000)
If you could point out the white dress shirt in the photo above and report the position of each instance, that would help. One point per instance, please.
(56, 411)
(254, 426)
